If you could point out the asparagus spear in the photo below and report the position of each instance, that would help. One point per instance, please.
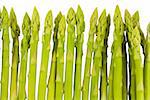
(15, 32)
(48, 25)
(78, 61)
(147, 66)
(129, 26)
(98, 47)
(117, 60)
(26, 29)
(70, 53)
(104, 63)
(60, 58)
(35, 25)
(134, 38)
(110, 79)
(51, 81)
(5, 55)
(124, 70)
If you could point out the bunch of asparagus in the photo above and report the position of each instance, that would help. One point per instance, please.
(68, 84)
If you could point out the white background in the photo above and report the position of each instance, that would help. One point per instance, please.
(22, 6)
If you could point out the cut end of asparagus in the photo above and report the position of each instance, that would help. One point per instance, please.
(13, 24)
(26, 26)
(71, 18)
(48, 21)
(5, 18)
(80, 19)
(35, 20)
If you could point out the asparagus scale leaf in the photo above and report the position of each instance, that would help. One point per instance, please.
(48, 25)
(15, 32)
(26, 29)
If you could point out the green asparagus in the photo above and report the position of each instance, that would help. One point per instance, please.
(45, 55)
(26, 29)
(134, 38)
(92, 31)
(5, 55)
(147, 66)
(80, 24)
(97, 60)
(51, 81)
(60, 58)
(35, 26)
(70, 54)
(104, 63)
(117, 60)
(15, 32)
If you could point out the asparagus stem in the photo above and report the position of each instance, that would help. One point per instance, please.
(129, 27)
(117, 60)
(15, 32)
(48, 25)
(70, 53)
(26, 29)
(104, 63)
(98, 49)
(124, 70)
(5, 55)
(60, 59)
(92, 31)
(110, 79)
(35, 25)
(51, 81)
(147, 66)
(79, 52)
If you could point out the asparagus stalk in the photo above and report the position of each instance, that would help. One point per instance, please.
(104, 63)
(117, 60)
(110, 79)
(0, 20)
(92, 31)
(26, 29)
(79, 52)
(98, 48)
(134, 38)
(15, 32)
(60, 59)
(5, 55)
(129, 26)
(146, 66)
(124, 70)
(51, 81)
(70, 54)
(35, 25)
(48, 25)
